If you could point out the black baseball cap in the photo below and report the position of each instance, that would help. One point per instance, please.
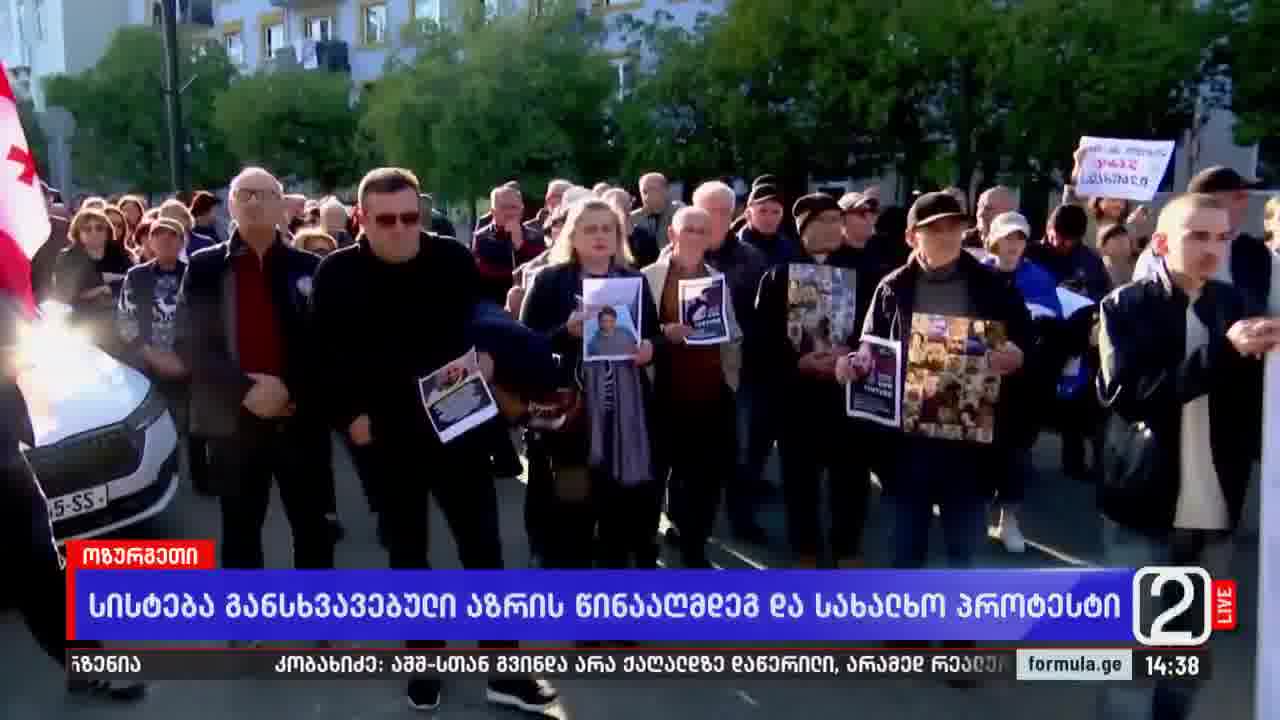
(932, 207)
(1220, 178)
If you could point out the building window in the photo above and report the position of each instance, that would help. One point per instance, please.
(427, 10)
(235, 47)
(374, 23)
(272, 39)
(319, 29)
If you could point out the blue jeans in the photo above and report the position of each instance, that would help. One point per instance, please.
(964, 525)
(1123, 547)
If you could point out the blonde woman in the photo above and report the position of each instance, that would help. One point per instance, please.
(87, 275)
(605, 486)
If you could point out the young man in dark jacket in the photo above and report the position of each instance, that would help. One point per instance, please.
(764, 230)
(243, 335)
(368, 310)
(942, 279)
(816, 434)
(1178, 350)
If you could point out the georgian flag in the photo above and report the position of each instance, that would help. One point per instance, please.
(24, 218)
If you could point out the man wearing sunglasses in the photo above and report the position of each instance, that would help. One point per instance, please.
(242, 332)
(389, 311)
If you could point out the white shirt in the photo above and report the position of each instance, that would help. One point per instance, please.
(1201, 504)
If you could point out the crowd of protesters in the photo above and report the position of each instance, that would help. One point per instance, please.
(243, 327)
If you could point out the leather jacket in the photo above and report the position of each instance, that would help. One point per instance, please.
(1146, 378)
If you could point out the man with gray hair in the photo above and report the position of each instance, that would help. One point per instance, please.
(656, 209)
(693, 386)
(335, 219)
(992, 202)
(644, 246)
(743, 265)
(243, 332)
(505, 244)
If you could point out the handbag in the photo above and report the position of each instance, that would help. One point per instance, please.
(1131, 459)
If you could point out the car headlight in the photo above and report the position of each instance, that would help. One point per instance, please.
(152, 407)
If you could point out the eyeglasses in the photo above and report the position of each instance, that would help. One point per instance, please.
(248, 195)
(388, 220)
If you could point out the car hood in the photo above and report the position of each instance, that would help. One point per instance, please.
(79, 389)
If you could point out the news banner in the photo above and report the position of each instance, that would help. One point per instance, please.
(160, 605)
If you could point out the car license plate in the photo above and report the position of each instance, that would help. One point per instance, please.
(77, 503)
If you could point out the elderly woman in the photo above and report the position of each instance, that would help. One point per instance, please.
(606, 494)
(87, 276)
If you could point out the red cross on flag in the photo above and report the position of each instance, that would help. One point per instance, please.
(24, 217)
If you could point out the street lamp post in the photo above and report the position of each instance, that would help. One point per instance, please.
(173, 96)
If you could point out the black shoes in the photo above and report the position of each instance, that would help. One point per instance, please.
(107, 689)
(527, 693)
(424, 693)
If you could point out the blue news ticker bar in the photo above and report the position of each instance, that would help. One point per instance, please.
(789, 605)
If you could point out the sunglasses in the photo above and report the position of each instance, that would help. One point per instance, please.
(388, 220)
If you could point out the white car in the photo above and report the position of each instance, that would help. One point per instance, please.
(106, 448)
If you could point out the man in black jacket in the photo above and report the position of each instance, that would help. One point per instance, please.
(38, 586)
(242, 333)
(743, 265)
(815, 433)
(1177, 353)
(921, 471)
(368, 311)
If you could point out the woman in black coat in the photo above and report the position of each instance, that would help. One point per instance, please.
(87, 276)
(605, 478)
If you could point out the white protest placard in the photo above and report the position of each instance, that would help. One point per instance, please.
(1267, 700)
(1124, 169)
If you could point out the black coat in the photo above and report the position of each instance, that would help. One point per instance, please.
(1146, 378)
(206, 330)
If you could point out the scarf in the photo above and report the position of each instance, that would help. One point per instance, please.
(618, 433)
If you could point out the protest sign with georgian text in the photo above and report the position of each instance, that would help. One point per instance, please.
(1124, 169)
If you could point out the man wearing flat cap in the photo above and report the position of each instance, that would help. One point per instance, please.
(1247, 264)
(805, 320)
(940, 278)
(763, 229)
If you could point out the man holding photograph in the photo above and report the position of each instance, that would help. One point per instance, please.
(611, 340)
(365, 297)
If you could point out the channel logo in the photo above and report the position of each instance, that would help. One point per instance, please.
(1181, 606)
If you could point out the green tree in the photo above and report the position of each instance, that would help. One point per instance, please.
(297, 123)
(122, 138)
(1255, 87)
(509, 97)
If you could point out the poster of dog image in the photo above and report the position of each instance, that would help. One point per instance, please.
(821, 312)
(951, 392)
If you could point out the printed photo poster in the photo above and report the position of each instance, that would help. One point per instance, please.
(950, 391)
(878, 396)
(702, 308)
(612, 328)
(456, 397)
(821, 308)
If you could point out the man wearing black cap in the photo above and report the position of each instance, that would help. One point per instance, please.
(764, 222)
(941, 278)
(815, 434)
(1247, 265)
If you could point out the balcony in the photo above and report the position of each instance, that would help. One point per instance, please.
(301, 4)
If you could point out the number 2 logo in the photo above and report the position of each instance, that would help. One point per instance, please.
(1145, 604)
